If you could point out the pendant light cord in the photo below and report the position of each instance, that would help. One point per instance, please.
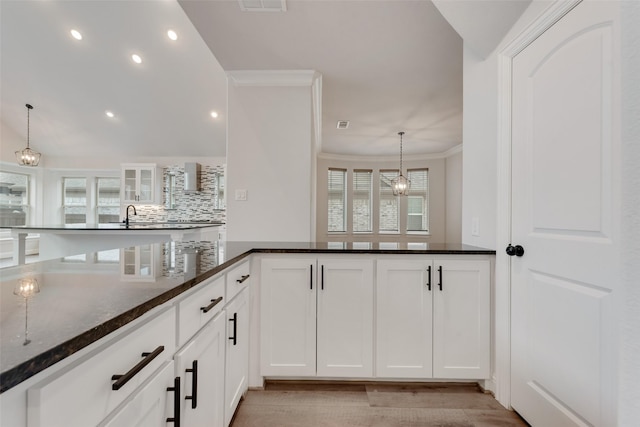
(29, 108)
(400, 133)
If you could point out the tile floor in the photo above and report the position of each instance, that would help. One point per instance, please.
(308, 404)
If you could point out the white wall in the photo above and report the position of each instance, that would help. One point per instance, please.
(480, 136)
(453, 195)
(269, 154)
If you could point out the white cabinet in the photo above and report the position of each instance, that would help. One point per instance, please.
(84, 393)
(140, 183)
(288, 317)
(151, 405)
(461, 319)
(345, 318)
(237, 352)
(198, 308)
(341, 290)
(404, 318)
(433, 318)
(201, 365)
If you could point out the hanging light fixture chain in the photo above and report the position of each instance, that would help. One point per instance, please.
(400, 133)
(29, 107)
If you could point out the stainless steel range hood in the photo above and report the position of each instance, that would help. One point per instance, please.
(191, 177)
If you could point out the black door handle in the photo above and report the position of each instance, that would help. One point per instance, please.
(194, 384)
(234, 319)
(429, 277)
(176, 402)
(516, 250)
(121, 380)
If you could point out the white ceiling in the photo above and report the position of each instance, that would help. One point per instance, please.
(386, 66)
(162, 106)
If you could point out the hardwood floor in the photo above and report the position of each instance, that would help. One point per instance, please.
(293, 404)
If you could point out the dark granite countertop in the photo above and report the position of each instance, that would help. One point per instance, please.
(84, 298)
(116, 226)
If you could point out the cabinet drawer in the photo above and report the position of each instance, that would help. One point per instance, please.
(82, 394)
(237, 279)
(197, 309)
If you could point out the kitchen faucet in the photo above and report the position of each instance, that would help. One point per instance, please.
(126, 221)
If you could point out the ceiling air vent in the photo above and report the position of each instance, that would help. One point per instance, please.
(263, 5)
(342, 124)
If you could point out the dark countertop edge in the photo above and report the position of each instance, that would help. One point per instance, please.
(478, 251)
(161, 226)
(33, 366)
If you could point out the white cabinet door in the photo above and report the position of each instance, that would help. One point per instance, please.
(139, 183)
(151, 405)
(345, 318)
(288, 317)
(200, 364)
(237, 352)
(461, 319)
(404, 318)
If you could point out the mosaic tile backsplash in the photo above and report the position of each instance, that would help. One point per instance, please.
(204, 205)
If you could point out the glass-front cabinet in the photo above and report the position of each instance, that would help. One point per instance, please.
(140, 263)
(140, 183)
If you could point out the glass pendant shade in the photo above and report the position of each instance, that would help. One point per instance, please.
(401, 184)
(26, 287)
(27, 156)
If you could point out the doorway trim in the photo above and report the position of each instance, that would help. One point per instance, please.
(505, 56)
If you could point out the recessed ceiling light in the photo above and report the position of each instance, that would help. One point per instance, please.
(109, 114)
(214, 114)
(136, 58)
(342, 124)
(172, 35)
(76, 34)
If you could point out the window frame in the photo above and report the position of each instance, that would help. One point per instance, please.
(345, 220)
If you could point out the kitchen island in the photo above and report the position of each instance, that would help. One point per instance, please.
(80, 304)
(60, 240)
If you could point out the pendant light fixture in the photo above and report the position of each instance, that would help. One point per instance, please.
(28, 157)
(401, 184)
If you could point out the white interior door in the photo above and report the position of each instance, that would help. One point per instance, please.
(565, 200)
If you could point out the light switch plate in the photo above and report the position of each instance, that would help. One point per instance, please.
(475, 226)
(241, 195)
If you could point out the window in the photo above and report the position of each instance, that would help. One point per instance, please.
(389, 204)
(108, 200)
(418, 200)
(337, 200)
(361, 204)
(14, 199)
(75, 200)
(362, 189)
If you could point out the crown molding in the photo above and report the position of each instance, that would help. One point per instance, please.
(407, 157)
(272, 77)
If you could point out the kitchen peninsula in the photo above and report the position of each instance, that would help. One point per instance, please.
(70, 239)
(56, 341)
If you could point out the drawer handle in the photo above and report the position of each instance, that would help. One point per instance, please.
(214, 302)
(440, 277)
(243, 278)
(234, 338)
(194, 385)
(176, 402)
(429, 277)
(121, 380)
